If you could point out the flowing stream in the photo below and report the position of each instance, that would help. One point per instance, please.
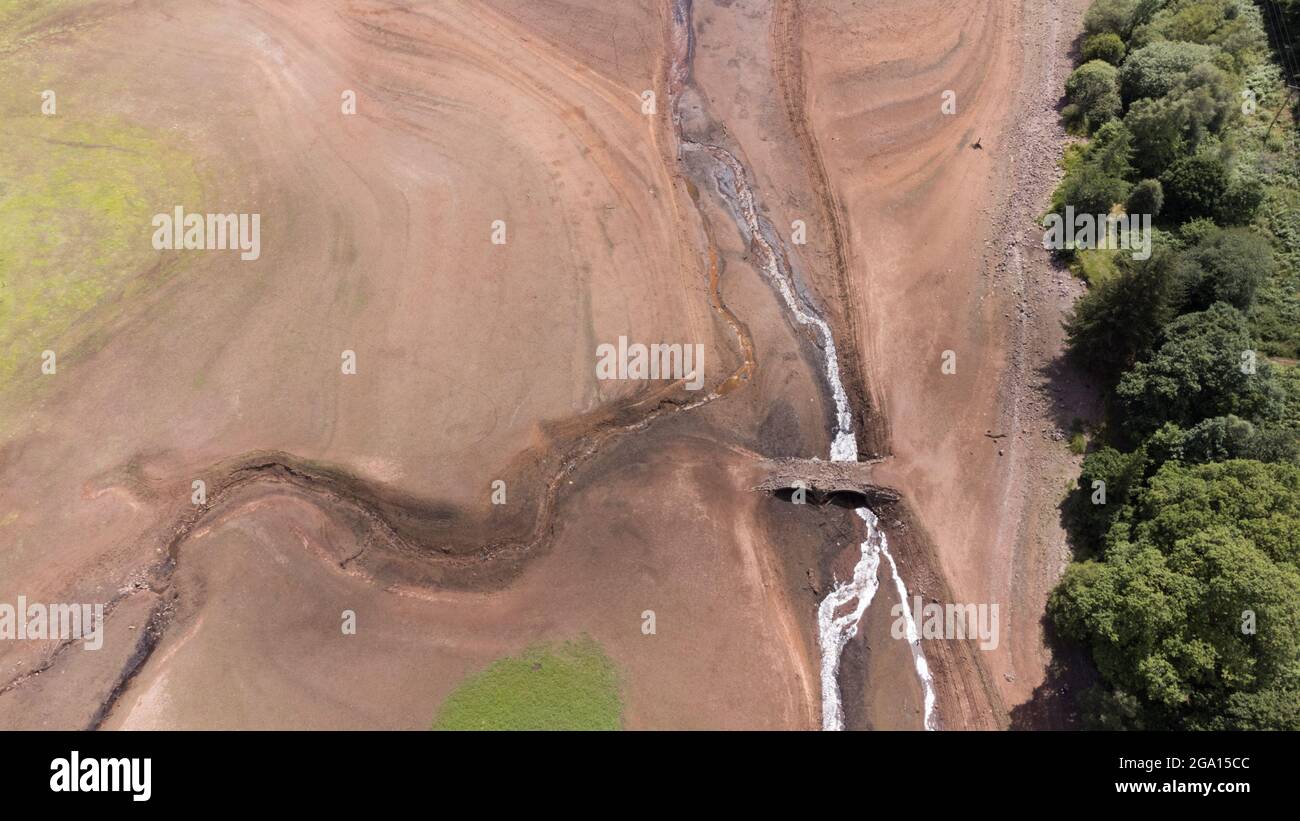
(837, 622)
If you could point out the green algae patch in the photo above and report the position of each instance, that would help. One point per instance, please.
(76, 202)
(26, 22)
(568, 686)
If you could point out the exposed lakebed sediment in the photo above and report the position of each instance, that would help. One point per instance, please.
(841, 611)
(390, 537)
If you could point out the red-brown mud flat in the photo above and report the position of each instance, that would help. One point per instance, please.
(372, 492)
(255, 640)
(475, 362)
(943, 255)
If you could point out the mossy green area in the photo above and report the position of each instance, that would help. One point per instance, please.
(1096, 265)
(22, 22)
(78, 191)
(568, 686)
(1273, 150)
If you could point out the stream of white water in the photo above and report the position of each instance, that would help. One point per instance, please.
(835, 628)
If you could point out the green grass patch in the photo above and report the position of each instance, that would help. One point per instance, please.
(568, 686)
(76, 199)
(22, 22)
(1078, 444)
(78, 190)
(1096, 266)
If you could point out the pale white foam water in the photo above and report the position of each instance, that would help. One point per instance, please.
(834, 631)
(844, 448)
(914, 640)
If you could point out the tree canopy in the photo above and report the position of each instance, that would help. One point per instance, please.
(1205, 367)
(1192, 615)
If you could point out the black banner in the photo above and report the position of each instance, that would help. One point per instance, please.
(139, 771)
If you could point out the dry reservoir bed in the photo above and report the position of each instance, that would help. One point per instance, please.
(328, 481)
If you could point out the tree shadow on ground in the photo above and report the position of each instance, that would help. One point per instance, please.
(1055, 703)
(1072, 397)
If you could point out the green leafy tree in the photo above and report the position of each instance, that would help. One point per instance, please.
(1118, 322)
(1220, 439)
(1226, 265)
(1201, 553)
(1111, 150)
(1107, 478)
(1209, 96)
(1165, 128)
(1229, 437)
(1203, 368)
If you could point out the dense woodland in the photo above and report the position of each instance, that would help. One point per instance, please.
(1186, 519)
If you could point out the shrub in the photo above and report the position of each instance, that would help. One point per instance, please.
(1240, 200)
(1078, 444)
(1095, 182)
(1147, 197)
(1110, 17)
(1220, 23)
(1195, 230)
(1226, 265)
(1157, 127)
(1154, 70)
(1105, 46)
(1194, 186)
(1092, 190)
(1093, 90)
